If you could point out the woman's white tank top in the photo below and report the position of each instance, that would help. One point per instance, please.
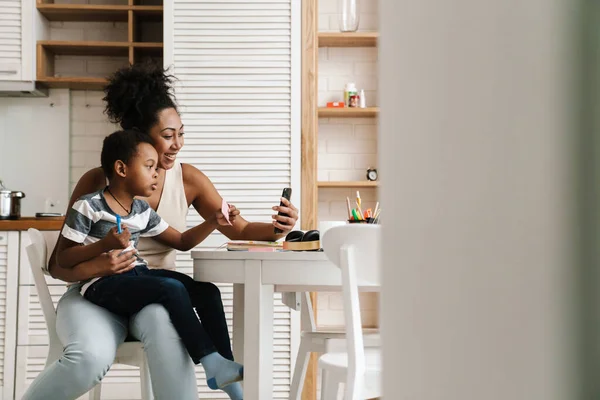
(173, 208)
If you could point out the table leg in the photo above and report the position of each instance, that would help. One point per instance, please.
(238, 322)
(258, 334)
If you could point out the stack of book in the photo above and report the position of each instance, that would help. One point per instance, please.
(253, 245)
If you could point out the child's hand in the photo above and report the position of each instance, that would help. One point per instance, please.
(233, 213)
(114, 240)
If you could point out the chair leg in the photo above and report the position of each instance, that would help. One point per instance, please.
(145, 380)
(353, 389)
(300, 370)
(329, 387)
(96, 392)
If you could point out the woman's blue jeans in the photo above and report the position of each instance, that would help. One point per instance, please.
(91, 335)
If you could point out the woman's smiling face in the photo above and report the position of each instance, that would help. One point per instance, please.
(167, 135)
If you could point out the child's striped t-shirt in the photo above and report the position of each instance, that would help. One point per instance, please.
(90, 219)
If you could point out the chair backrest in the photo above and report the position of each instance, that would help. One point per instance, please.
(366, 240)
(39, 252)
(355, 249)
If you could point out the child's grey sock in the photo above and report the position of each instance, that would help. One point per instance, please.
(220, 371)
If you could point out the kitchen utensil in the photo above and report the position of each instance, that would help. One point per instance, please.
(10, 203)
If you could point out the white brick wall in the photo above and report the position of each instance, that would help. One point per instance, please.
(89, 126)
(347, 147)
(98, 66)
(328, 15)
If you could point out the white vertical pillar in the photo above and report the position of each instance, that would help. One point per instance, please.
(478, 190)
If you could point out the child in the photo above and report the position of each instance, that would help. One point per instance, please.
(93, 227)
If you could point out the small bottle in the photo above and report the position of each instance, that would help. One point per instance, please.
(362, 101)
(349, 90)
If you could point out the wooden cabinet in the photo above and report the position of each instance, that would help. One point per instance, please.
(143, 41)
(15, 40)
(17, 45)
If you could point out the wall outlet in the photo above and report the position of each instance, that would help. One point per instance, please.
(52, 205)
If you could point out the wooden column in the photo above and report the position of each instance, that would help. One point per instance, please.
(309, 202)
(309, 114)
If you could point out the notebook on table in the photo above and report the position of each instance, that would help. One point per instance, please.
(253, 245)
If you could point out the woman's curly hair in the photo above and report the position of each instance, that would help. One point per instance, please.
(136, 94)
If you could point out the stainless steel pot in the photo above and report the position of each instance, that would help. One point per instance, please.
(10, 203)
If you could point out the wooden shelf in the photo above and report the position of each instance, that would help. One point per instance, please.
(88, 48)
(348, 112)
(47, 49)
(85, 48)
(141, 42)
(77, 83)
(147, 49)
(96, 13)
(83, 12)
(348, 39)
(355, 184)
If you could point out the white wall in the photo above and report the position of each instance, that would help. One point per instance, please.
(477, 148)
(34, 150)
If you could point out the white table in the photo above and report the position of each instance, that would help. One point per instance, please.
(256, 276)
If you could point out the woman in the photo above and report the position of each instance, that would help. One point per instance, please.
(139, 97)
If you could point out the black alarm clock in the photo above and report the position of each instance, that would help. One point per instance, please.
(372, 174)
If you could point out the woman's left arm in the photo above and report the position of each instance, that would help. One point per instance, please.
(202, 194)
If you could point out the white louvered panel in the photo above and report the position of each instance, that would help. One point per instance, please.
(10, 39)
(9, 267)
(3, 270)
(31, 325)
(237, 64)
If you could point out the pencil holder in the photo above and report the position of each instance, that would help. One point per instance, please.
(362, 221)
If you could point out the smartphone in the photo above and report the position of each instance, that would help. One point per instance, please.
(47, 214)
(287, 193)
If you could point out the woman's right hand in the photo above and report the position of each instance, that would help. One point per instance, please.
(111, 263)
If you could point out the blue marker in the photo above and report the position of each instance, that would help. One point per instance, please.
(119, 224)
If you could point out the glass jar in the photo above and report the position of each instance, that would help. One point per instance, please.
(349, 18)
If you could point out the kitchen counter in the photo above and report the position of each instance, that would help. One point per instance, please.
(24, 223)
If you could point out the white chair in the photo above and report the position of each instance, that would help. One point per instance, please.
(129, 353)
(318, 340)
(355, 250)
